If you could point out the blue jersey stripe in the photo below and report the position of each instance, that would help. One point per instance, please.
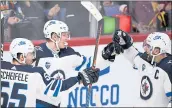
(169, 94)
(57, 89)
(54, 85)
(46, 91)
(89, 63)
(104, 71)
(79, 67)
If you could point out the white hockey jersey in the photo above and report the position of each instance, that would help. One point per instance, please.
(27, 86)
(68, 61)
(155, 85)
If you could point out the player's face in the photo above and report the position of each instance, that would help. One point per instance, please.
(29, 58)
(149, 50)
(65, 36)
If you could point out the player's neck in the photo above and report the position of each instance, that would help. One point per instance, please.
(160, 57)
(51, 46)
(15, 62)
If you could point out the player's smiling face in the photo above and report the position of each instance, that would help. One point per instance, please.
(65, 36)
(149, 50)
(29, 58)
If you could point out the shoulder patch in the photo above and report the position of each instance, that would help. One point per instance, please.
(38, 48)
(169, 62)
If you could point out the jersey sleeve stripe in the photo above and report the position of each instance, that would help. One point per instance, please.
(54, 85)
(58, 88)
(89, 63)
(79, 67)
(169, 94)
(46, 91)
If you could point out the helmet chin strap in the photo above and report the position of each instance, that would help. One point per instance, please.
(66, 44)
(56, 43)
(153, 56)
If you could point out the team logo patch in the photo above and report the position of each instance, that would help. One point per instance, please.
(47, 65)
(59, 74)
(38, 48)
(22, 43)
(146, 88)
(143, 67)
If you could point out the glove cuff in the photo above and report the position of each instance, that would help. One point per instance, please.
(127, 45)
(81, 78)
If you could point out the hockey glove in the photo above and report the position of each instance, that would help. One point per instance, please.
(89, 76)
(123, 39)
(110, 51)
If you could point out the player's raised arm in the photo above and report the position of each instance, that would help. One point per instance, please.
(126, 41)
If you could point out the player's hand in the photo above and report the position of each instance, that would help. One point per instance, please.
(123, 39)
(89, 76)
(110, 51)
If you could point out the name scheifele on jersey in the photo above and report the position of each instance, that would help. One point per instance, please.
(17, 76)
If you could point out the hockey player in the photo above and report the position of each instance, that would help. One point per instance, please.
(23, 85)
(154, 67)
(57, 34)
(56, 54)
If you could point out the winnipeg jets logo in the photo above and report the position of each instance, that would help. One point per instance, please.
(157, 37)
(22, 43)
(143, 67)
(146, 88)
(47, 65)
(59, 74)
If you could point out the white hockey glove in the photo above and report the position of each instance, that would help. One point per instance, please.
(89, 76)
(110, 51)
(123, 39)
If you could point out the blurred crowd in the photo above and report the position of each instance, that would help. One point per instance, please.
(27, 18)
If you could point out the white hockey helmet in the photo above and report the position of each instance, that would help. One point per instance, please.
(21, 45)
(158, 40)
(55, 26)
